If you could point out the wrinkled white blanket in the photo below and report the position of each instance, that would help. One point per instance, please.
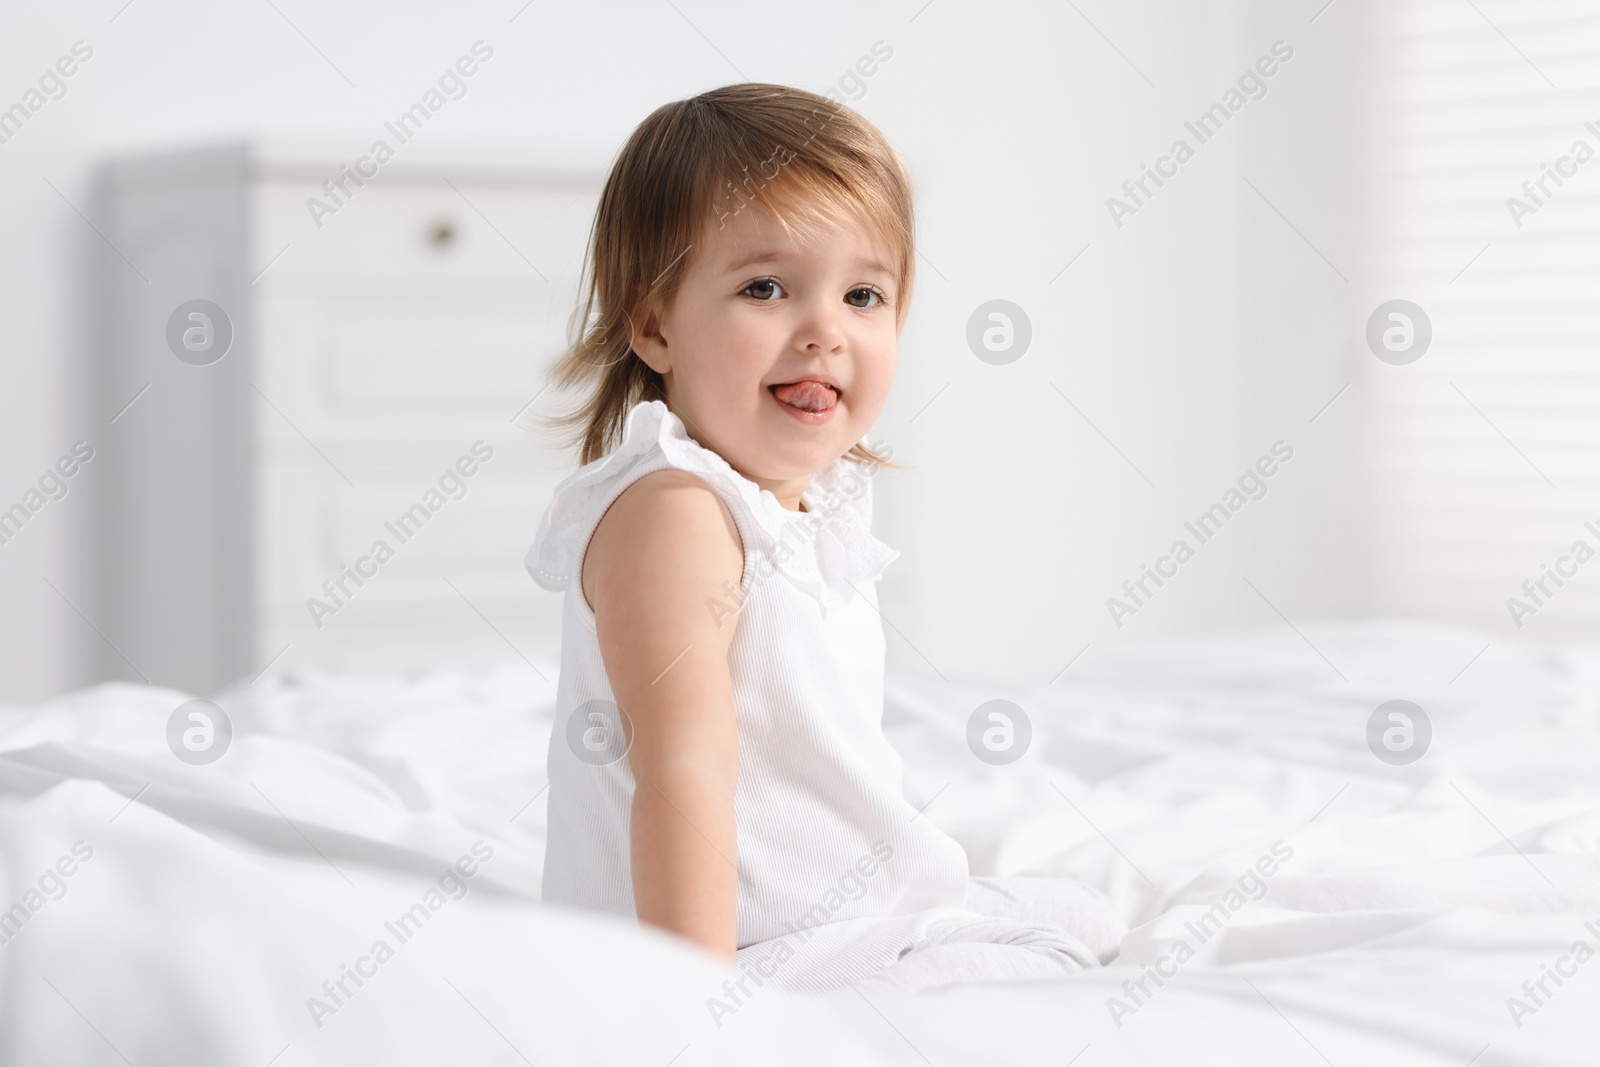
(1289, 895)
(1009, 929)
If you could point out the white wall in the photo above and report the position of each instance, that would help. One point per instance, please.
(1193, 337)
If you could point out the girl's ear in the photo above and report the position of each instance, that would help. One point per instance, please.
(647, 341)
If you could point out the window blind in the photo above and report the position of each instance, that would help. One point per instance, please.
(1481, 203)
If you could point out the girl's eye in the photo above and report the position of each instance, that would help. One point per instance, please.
(764, 289)
(870, 297)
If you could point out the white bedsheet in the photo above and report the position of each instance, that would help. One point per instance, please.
(1414, 902)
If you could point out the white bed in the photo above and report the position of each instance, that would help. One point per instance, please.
(1417, 899)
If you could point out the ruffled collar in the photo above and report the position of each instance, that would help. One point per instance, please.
(824, 551)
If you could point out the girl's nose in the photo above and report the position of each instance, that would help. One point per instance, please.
(821, 327)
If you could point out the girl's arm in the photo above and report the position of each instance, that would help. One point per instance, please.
(662, 556)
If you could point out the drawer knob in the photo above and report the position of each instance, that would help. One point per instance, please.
(442, 235)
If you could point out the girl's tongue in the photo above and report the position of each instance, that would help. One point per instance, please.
(807, 396)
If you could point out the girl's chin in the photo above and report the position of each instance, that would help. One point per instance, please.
(786, 461)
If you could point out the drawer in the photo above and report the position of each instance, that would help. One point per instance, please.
(432, 229)
(361, 370)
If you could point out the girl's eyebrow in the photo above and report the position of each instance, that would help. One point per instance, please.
(772, 255)
(874, 265)
(761, 256)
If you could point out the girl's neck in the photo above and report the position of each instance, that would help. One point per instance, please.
(787, 490)
(788, 493)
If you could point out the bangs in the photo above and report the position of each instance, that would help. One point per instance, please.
(806, 161)
(805, 200)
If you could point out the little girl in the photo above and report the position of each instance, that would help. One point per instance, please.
(718, 766)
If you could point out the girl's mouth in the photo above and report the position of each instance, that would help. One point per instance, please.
(810, 401)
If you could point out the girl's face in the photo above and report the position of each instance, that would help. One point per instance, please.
(778, 356)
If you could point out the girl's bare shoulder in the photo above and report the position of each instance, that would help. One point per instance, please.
(668, 534)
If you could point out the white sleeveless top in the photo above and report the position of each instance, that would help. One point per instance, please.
(827, 843)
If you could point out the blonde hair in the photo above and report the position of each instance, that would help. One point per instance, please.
(802, 158)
